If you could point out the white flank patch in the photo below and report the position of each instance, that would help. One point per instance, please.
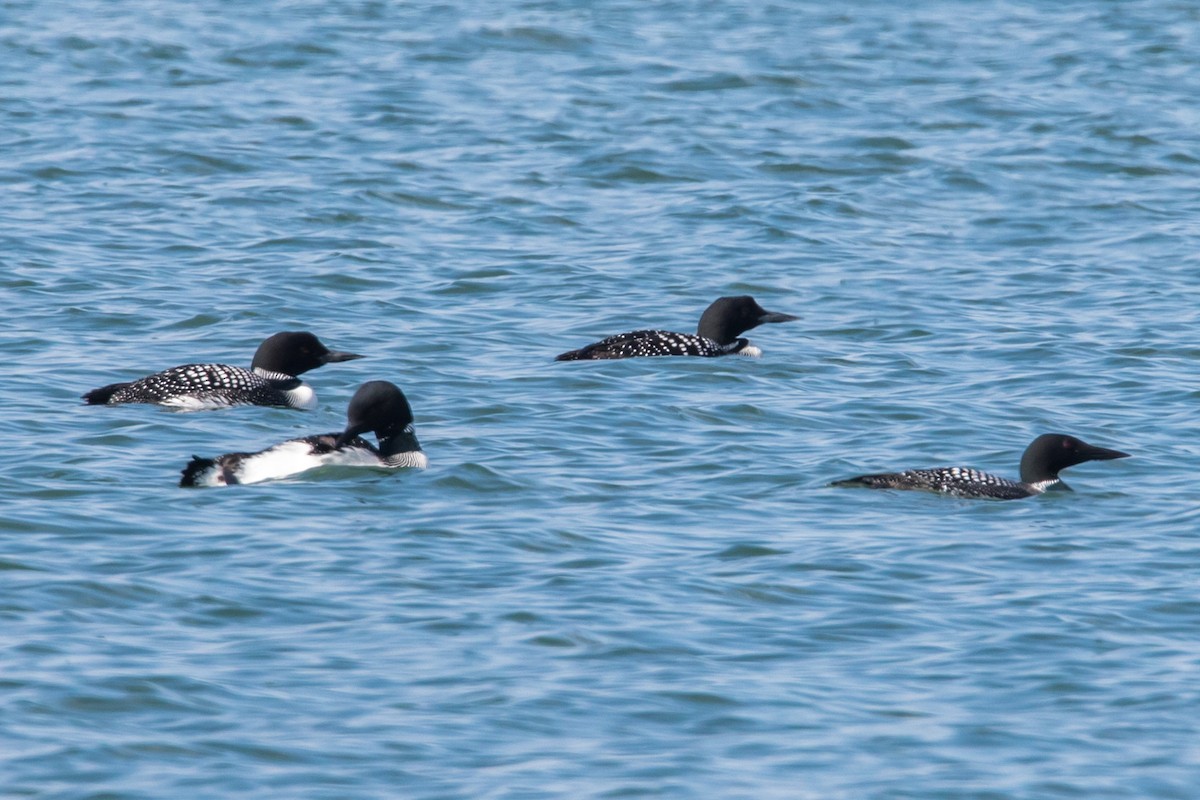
(750, 351)
(282, 460)
(295, 456)
(189, 403)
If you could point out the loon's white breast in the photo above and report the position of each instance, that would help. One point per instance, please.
(302, 397)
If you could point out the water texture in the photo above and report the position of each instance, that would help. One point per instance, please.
(624, 579)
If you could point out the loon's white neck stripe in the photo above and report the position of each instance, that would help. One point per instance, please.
(273, 376)
(1041, 486)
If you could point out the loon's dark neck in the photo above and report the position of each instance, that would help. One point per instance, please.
(729, 317)
(381, 407)
(292, 353)
(1051, 453)
(404, 441)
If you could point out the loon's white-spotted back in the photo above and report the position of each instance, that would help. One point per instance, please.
(1041, 462)
(270, 381)
(721, 325)
(378, 406)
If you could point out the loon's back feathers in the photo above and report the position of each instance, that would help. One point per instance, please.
(1041, 462)
(721, 325)
(205, 386)
(636, 344)
(957, 481)
(270, 381)
(377, 406)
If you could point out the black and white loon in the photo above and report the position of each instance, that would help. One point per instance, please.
(270, 381)
(1045, 457)
(718, 334)
(377, 406)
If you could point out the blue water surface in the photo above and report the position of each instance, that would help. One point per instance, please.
(625, 579)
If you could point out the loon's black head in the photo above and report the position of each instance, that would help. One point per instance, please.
(1051, 452)
(729, 317)
(294, 353)
(377, 406)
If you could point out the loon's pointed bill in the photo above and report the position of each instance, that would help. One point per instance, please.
(718, 334)
(293, 353)
(270, 381)
(776, 316)
(378, 406)
(1041, 463)
(338, 356)
(1095, 453)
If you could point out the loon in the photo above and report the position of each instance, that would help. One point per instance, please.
(717, 335)
(1045, 457)
(377, 406)
(270, 381)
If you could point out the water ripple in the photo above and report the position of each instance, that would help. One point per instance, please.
(626, 578)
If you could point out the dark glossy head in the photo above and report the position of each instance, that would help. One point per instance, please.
(729, 317)
(294, 353)
(1052, 452)
(377, 406)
